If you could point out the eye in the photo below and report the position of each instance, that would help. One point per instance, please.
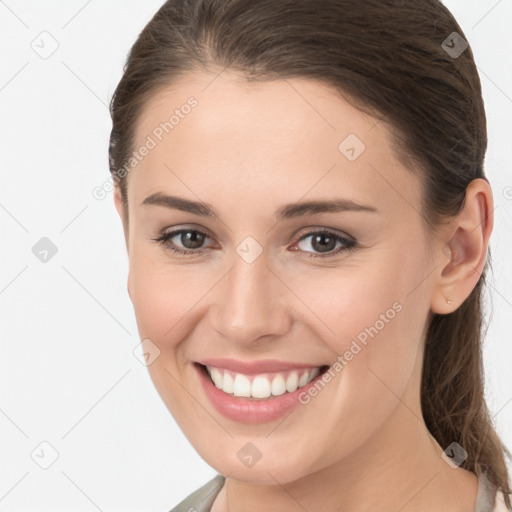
(325, 241)
(191, 239)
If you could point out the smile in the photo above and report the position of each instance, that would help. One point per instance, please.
(262, 385)
(255, 401)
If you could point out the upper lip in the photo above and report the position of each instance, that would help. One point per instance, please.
(255, 367)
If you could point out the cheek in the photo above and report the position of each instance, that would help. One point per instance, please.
(371, 314)
(348, 299)
(156, 291)
(161, 300)
(369, 318)
(168, 300)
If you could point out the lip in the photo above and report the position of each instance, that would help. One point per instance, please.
(256, 367)
(251, 410)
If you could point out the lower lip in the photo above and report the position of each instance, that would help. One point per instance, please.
(244, 410)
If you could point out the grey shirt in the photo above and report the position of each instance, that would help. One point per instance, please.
(201, 500)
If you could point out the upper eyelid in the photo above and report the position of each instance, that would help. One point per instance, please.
(302, 232)
(312, 231)
(171, 233)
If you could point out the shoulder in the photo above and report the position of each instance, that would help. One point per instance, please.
(201, 499)
(488, 499)
(499, 503)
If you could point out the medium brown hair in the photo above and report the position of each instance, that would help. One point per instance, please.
(387, 58)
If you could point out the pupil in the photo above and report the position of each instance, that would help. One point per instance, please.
(326, 246)
(192, 239)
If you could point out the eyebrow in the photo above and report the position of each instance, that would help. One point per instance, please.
(288, 211)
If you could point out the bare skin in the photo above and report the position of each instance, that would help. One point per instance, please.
(246, 150)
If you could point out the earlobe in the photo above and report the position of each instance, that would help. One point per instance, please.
(464, 252)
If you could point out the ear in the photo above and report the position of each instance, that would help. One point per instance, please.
(121, 210)
(464, 250)
(118, 203)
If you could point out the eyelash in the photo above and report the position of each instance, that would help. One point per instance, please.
(349, 244)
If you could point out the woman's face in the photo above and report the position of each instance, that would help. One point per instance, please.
(257, 286)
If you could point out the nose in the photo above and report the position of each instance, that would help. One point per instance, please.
(251, 303)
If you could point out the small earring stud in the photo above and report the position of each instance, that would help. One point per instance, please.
(448, 301)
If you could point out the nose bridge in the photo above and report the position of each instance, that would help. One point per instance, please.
(250, 300)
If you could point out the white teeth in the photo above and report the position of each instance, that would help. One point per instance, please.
(303, 380)
(217, 377)
(313, 375)
(291, 382)
(278, 385)
(229, 384)
(261, 386)
(242, 385)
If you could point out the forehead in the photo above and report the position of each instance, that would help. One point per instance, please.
(290, 136)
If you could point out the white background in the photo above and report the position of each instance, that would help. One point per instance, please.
(67, 372)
